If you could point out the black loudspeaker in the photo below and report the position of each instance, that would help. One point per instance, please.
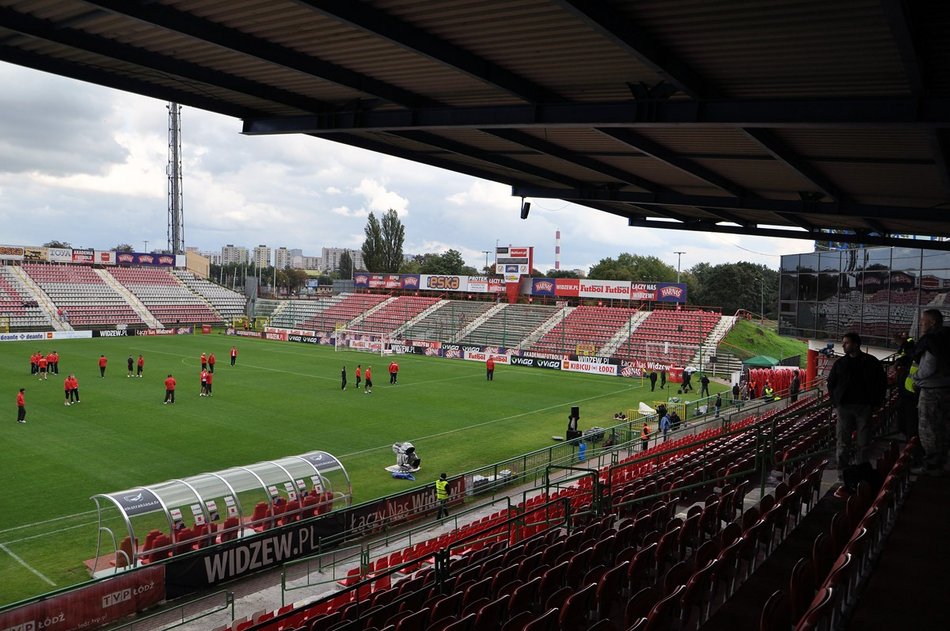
(525, 207)
(576, 412)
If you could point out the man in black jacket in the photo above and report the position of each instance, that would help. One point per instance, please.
(857, 384)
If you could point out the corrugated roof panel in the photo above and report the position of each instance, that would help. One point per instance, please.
(704, 140)
(888, 184)
(787, 48)
(860, 143)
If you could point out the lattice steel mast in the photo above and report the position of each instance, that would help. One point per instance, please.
(176, 218)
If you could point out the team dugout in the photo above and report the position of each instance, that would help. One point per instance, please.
(149, 523)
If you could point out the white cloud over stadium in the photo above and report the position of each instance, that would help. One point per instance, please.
(86, 164)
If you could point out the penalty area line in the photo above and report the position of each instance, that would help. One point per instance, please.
(26, 565)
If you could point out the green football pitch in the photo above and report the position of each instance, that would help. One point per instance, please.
(280, 399)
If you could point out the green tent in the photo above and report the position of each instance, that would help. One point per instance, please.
(760, 361)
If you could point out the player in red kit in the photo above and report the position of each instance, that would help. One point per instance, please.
(102, 365)
(140, 367)
(369, 380)
(233, 355)
(169, 389)
(490, 368)
(21, 406)
(211, 361)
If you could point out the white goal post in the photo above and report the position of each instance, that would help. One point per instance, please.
(363, 341)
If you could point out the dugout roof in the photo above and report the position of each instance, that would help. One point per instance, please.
(782, 118)
(210, 497)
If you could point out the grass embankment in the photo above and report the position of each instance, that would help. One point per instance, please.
(748, 339)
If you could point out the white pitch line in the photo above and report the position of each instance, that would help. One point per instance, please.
(26, 565)
(48, 534)
(47, 521)
(490, 422)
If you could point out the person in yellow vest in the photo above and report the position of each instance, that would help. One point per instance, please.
(644, 437)
(442, 496)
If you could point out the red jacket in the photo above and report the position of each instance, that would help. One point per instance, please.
(102, 361)
(170, 383)
(20, 400)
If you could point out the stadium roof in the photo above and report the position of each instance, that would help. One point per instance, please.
(780, 119)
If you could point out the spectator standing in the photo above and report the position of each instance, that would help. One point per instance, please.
(704, 382)
(665, 426)
(368, 389)
(211, 361)
(102, 365)
(795, 387)
(131, 363)
(343, 379)
(21, 406)
(359, 374)
(441, 490)
(718, 403)
(857, 384)
(233, 355)
(735, 393)
(490, 368)
(169, 389)
(140, 366)
(644, 437)
(932, 379)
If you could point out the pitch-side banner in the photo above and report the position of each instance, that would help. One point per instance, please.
(443, 282)
(590, 367)
(90, 607)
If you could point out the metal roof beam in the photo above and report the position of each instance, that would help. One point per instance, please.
(147, 60)
(793, 234)
(659, 152)
(232, 39)
(725, 215)
(486, 156)
(83, 72)
(432, 159)
(634, 39)
(778, 206)
(827, 113)
(785, 154)
(551, 149)
(902, 30)
(940, 147)
(371, 20)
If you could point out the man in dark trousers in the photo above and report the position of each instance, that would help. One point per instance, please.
(131, 363)
(795, 387)
(704, 382)
(169, 389)
(442, 496)
(663, 379)
(21, 406)
(102, 365)
(359, 375)
(857, 385)
(343, 379)
(652, 380)
(490, 368)
(932, 381)
(233, 355)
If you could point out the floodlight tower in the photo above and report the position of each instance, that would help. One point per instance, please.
(176, 220)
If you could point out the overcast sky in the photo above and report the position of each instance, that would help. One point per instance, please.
(86, 164)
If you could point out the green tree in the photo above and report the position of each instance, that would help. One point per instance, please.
(450, 262)
(562, 274)
(373, 245)
(633, 267)
(735, 286)
(345, 269)
(57, 244)
(123, 247)
(393, 237)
